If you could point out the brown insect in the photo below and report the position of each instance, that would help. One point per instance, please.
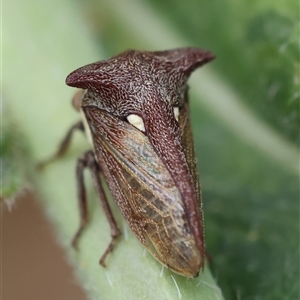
(135, 113)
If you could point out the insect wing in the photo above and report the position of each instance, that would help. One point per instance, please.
(145, 191)
(188, 145)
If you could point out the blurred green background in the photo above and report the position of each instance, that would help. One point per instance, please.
(248, 166)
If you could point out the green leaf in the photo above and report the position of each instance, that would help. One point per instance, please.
(245, 115)
(14, 167)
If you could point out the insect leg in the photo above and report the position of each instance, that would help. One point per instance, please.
(63, 147)
(81, 196)
(88, 161)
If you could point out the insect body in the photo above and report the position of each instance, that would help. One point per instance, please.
(136, 111)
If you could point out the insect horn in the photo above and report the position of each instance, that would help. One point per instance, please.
(186, 60)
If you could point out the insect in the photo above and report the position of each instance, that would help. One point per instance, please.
(135, 113)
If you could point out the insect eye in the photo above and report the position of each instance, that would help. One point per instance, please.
(136, 121)
(176, 112)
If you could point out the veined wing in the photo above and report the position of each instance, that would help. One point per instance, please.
(188, 145)
(144, 191)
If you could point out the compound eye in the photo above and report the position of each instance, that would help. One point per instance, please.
(176, 112)
(136, 121)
